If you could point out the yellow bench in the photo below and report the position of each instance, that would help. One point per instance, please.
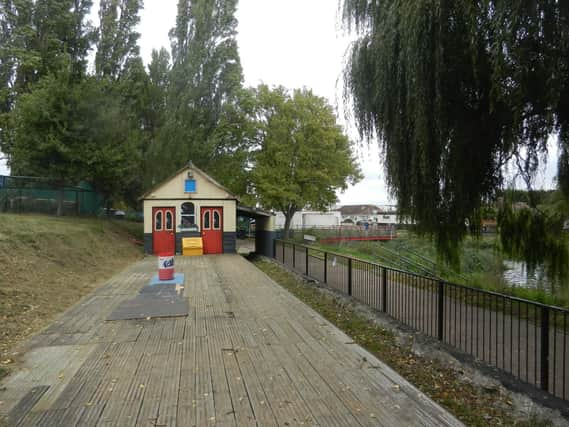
(192, 246)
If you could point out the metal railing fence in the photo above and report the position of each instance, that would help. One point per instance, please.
(523, 338)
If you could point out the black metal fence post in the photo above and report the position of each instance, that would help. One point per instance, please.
(384, 290)
(350, 276)
(440, 310)
(325, 267)
(544, 348)
(275, 248)
(435, 306)
(293, 255)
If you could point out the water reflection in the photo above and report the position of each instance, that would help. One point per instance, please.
(516, 274)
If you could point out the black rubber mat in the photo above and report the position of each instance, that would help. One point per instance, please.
(163, 290)
(151, 305)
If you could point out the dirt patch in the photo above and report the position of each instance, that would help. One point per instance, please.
(475, 401)
(47, 264)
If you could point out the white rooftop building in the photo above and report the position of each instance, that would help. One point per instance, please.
(310, 219)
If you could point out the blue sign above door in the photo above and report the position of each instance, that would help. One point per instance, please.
(190, 186)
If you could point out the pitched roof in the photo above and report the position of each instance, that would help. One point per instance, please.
(189, 166)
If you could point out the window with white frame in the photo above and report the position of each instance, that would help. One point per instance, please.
(188, 214)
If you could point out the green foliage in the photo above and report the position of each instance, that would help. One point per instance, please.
(56, 120)
(207, 109)
(38, 38)
(47, 127)
(453, 91)
(535, 237)
(43, 36)
(159, 76)
(69, 131)
(304, 156)
(118, 40)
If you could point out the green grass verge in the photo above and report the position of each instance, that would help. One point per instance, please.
(482, 264)
(472, 404)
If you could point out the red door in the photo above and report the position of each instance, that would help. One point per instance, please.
(163, 230)
(212, 230)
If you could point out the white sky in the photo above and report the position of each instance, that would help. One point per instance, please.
(294, 43)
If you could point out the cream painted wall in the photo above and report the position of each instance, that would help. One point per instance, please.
(229, 212)
(174, 188)
(205, 189)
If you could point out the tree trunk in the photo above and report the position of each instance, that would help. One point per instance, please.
(107, 204)
(289, 215)
(60, 199)
(288, 220)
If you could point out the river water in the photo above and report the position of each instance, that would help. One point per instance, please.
(516, 274)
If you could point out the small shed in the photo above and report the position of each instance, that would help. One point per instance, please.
(189, 204)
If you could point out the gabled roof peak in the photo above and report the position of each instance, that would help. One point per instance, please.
(190, 167)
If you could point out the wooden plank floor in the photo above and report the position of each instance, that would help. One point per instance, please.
(249, 353)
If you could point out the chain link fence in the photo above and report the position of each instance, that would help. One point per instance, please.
(20, 194)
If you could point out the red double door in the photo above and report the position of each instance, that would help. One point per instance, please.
(212, 229)
(163, 230)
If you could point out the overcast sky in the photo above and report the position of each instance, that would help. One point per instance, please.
(294, 43)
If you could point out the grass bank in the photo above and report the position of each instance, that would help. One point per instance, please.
(47, 264)
(482, 264)
(471, 403)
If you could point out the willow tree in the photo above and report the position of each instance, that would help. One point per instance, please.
(453, 91)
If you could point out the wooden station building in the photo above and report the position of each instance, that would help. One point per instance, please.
(191, 203)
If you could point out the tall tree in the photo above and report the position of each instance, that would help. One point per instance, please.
(46, 139)
(304, 156)
(159, 76)
(117, 61)
(69, 131)
(204, 87)
(39, 38)
(133, 92)
(454, 90)
(117, 37)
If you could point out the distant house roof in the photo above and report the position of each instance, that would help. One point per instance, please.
(348, 210)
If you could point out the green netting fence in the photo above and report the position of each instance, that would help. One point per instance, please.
(39, 195)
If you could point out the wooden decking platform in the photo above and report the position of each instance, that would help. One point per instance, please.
(249, 353)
